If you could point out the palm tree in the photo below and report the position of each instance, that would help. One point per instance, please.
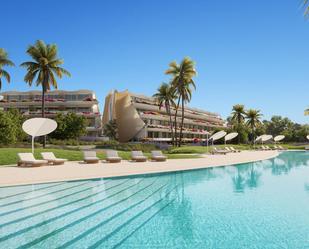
(253, 119)
(238, 113)
(182, 81)
(4, 61)
(110, 130)
(238, 116)
(165, 95)
(43, 69)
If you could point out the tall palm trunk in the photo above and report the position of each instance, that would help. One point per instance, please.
(238, 128)
(43, 110)
(252, 129)
(168, 110)
(182, 120)
(176, 112)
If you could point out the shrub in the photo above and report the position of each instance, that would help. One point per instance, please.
(7, 129)
(71, 142)
(126, 146)
(110, 130)
(70, 126)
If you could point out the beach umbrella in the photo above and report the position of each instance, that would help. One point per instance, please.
(230, 136)
(266, 138)
(36, 127)
(218, 135)
(279, 138)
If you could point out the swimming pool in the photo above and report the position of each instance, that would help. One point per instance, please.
(256, 205)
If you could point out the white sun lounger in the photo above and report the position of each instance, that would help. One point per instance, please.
(90, 157)
(228, 149)
(263, 147)
(281, 148)
(216, 151)
(50, 157)
(156, 155)
(112, 156)
(27, 159)
(232, 149)
(138, 156)
(276, 147)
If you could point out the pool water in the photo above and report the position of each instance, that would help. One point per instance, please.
(255, 205)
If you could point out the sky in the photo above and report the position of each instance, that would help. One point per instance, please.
(246, 52)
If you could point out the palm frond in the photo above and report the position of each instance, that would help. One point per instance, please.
(5, 74)
(55, 63)
(52, 51)
(42, 48)
(4, 59)
(30, 75)
(53, 81)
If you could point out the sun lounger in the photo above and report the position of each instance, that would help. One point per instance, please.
(228, 149)
(268, 148)
(216, 151)
(276, 147)
(27, 159)
(90, 157)
(263, 147)
(232, 149)
(281, 148)
(112, 156)
(50, 157)
(156, 155)
(138, 156)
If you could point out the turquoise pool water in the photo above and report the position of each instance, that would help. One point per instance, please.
(257, 205)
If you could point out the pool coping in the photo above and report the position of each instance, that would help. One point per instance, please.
(73, 170)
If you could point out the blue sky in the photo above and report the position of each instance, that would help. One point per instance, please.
(250, 52)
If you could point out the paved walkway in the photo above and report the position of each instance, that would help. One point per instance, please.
(10, 176)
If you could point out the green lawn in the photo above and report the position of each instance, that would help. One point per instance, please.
(203, 149)
(8, 156)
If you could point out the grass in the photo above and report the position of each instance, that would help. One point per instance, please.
(8, 156)
(203, 149)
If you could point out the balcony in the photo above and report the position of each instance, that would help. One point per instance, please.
(37, 102)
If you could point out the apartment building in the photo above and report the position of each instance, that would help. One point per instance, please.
(81, 102)
(139, 117)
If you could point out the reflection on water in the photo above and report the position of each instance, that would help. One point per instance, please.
(250, 175)
(247, 176)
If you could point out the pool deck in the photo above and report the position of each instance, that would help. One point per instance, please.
(11, 176)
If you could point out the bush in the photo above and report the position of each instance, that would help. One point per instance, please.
(11, 127)
(110, 130)
(70, 126)
(114, 145)
(7, 129)
(71, 142)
